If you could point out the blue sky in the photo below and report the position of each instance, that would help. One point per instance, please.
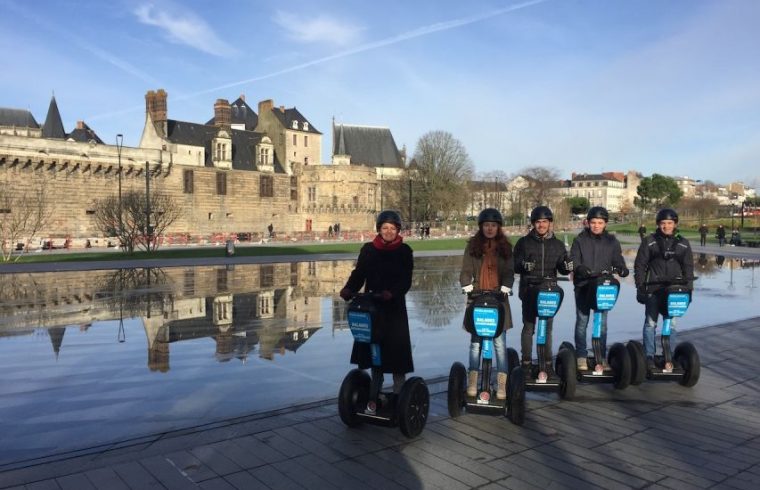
(667, 86)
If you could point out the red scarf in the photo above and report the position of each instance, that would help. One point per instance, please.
(381, 244)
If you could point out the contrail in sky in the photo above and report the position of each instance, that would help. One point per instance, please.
(413, 34)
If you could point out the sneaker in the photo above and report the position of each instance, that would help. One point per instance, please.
(606, 366)
(501, 386)
(650, 364)
(527, 368)
(582, 364)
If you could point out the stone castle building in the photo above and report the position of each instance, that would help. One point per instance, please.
(237, 173)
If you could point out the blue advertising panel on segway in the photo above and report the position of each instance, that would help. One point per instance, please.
(678, 303)
(486, 321)
(606, 296)
(548, 303)
(360, 323)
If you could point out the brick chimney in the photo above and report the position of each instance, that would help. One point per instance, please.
(155, 107)
(242, 97)
(222, 113)
(80, 124)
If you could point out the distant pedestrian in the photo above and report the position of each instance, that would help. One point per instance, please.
(427, 231)
(703, 234)
(330, 231)
(270, 229)
(720, 234)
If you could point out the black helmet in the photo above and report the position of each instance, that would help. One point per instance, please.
(490, 214)
(541, 212)
(598, 212)
(388, 216)
(666, 213)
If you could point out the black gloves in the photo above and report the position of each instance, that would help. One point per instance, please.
(582, 271)
(623, 272)
(346, 294)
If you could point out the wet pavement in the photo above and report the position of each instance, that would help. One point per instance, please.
(656, 435)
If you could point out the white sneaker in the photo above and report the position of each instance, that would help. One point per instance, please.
(582, 364)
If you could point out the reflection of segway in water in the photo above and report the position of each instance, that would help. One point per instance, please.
(683, 366)
(603, 292)
(484, 318)
(547, 297)
(361, 398)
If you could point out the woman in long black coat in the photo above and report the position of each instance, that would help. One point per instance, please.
(385, 267)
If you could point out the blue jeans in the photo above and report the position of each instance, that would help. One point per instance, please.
(581, 324)
(499, 354)
(650, 326)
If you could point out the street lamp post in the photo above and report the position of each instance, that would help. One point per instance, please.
(382, 171)
(733, 208)
(119, 144)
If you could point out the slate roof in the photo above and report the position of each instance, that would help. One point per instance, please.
(243, 143)
(240, 113)
(53, 127)
(371, 146)
(17, 117)
(84, 135)
(287, 117)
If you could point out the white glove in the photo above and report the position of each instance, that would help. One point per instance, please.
(467, 289)
(505, 290)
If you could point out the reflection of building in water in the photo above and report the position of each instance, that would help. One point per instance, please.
(276, 307)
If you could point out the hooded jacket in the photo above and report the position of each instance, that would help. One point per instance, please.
(597, 252)
(548, 253)
(660, 259)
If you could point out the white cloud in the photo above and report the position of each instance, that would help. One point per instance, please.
(184, 28)
(321, 29)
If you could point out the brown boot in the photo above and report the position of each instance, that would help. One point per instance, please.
(472, 383)
(501, 386)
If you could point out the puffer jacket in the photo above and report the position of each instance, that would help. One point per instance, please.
(548, 253)
(597, 252)
(661, 259)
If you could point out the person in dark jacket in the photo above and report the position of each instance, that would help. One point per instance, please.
(385, 267)
(703, 234)
(720, 234)
(487, 265)
(538, 255)
(594, 250)
(663, 257)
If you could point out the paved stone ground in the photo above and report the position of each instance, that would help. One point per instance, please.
(657, 435)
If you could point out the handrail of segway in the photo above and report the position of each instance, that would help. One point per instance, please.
(367, 294)
(536, 281)
(477, 293)
(670, 282)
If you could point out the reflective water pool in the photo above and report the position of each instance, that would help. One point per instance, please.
(93, 357)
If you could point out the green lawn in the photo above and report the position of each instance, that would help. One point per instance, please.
(245, 251)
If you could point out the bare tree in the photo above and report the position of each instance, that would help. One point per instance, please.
(440, 172)
(23, 214)
(141, 222)
(541, 181)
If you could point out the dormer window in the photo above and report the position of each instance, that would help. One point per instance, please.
(295, 124)
(305, 126)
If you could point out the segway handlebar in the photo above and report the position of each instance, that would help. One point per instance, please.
(477, 293)
(670, 282)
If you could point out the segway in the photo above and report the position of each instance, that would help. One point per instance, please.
(484, 318)
(683, 366)
(603, 291)
(361, 397)
(548, 298)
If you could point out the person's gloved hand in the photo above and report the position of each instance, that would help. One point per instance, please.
(528, 265)
(568, 265)
(505, 290)
(641, 295)
(623, 272)
(582, 271)
(346, 294)
(467, 289)
(386, 295)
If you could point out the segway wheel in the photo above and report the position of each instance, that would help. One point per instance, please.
(513, 359)
(686, 355)
(620, 362)
(565, 346)
(638, 362)
(566, 369)
(353, 396)
(413, 406)
(515, 409)
(457, 389)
